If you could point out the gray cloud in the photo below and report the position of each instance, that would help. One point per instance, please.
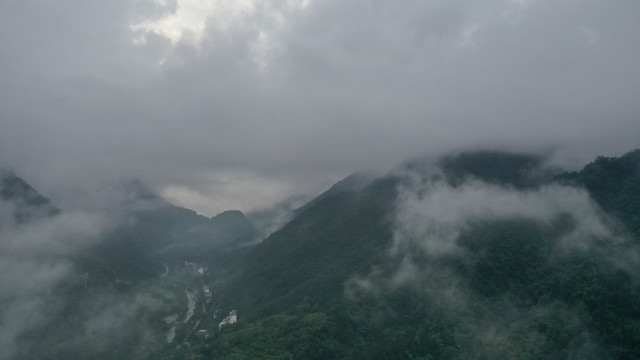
(301, 93)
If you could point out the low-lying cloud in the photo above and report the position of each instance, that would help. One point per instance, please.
(440, 238)
(35, 258)
(434, 216)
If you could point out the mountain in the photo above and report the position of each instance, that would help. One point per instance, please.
(518, 170)
(472, 256)
(352, 183)
(350, 226)
(271, 219)
(26, 203)
(342, 231)
(100, 284)
(615, 184)
(477, 255)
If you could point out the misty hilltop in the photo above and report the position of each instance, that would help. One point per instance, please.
(473, 255)
(23, 201)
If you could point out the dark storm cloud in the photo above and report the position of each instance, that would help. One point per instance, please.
(289, 96)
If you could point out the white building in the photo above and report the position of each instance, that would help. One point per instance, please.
(231, 319)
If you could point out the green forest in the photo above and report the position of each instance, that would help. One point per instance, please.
(477, 255)
(319, 288)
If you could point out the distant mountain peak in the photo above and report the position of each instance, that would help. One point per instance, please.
(229, 214)
(28, 202)
(136, 190)
(352, 183)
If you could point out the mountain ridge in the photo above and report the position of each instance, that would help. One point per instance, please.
(342, 246)
(422, 262)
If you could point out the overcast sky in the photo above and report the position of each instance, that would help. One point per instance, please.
(222, 104)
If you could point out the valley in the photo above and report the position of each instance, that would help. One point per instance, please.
(488, 256)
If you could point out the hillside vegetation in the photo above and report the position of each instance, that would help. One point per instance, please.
(479, 256)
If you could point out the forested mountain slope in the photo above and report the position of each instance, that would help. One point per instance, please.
(615, 184)
(97, 283)
(479, 255)
(475, 256)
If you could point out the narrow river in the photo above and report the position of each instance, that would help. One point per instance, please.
(191, 306)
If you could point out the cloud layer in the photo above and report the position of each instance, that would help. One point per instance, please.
(300, 93)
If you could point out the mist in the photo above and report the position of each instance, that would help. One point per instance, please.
(62, 295)
(35, 259)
